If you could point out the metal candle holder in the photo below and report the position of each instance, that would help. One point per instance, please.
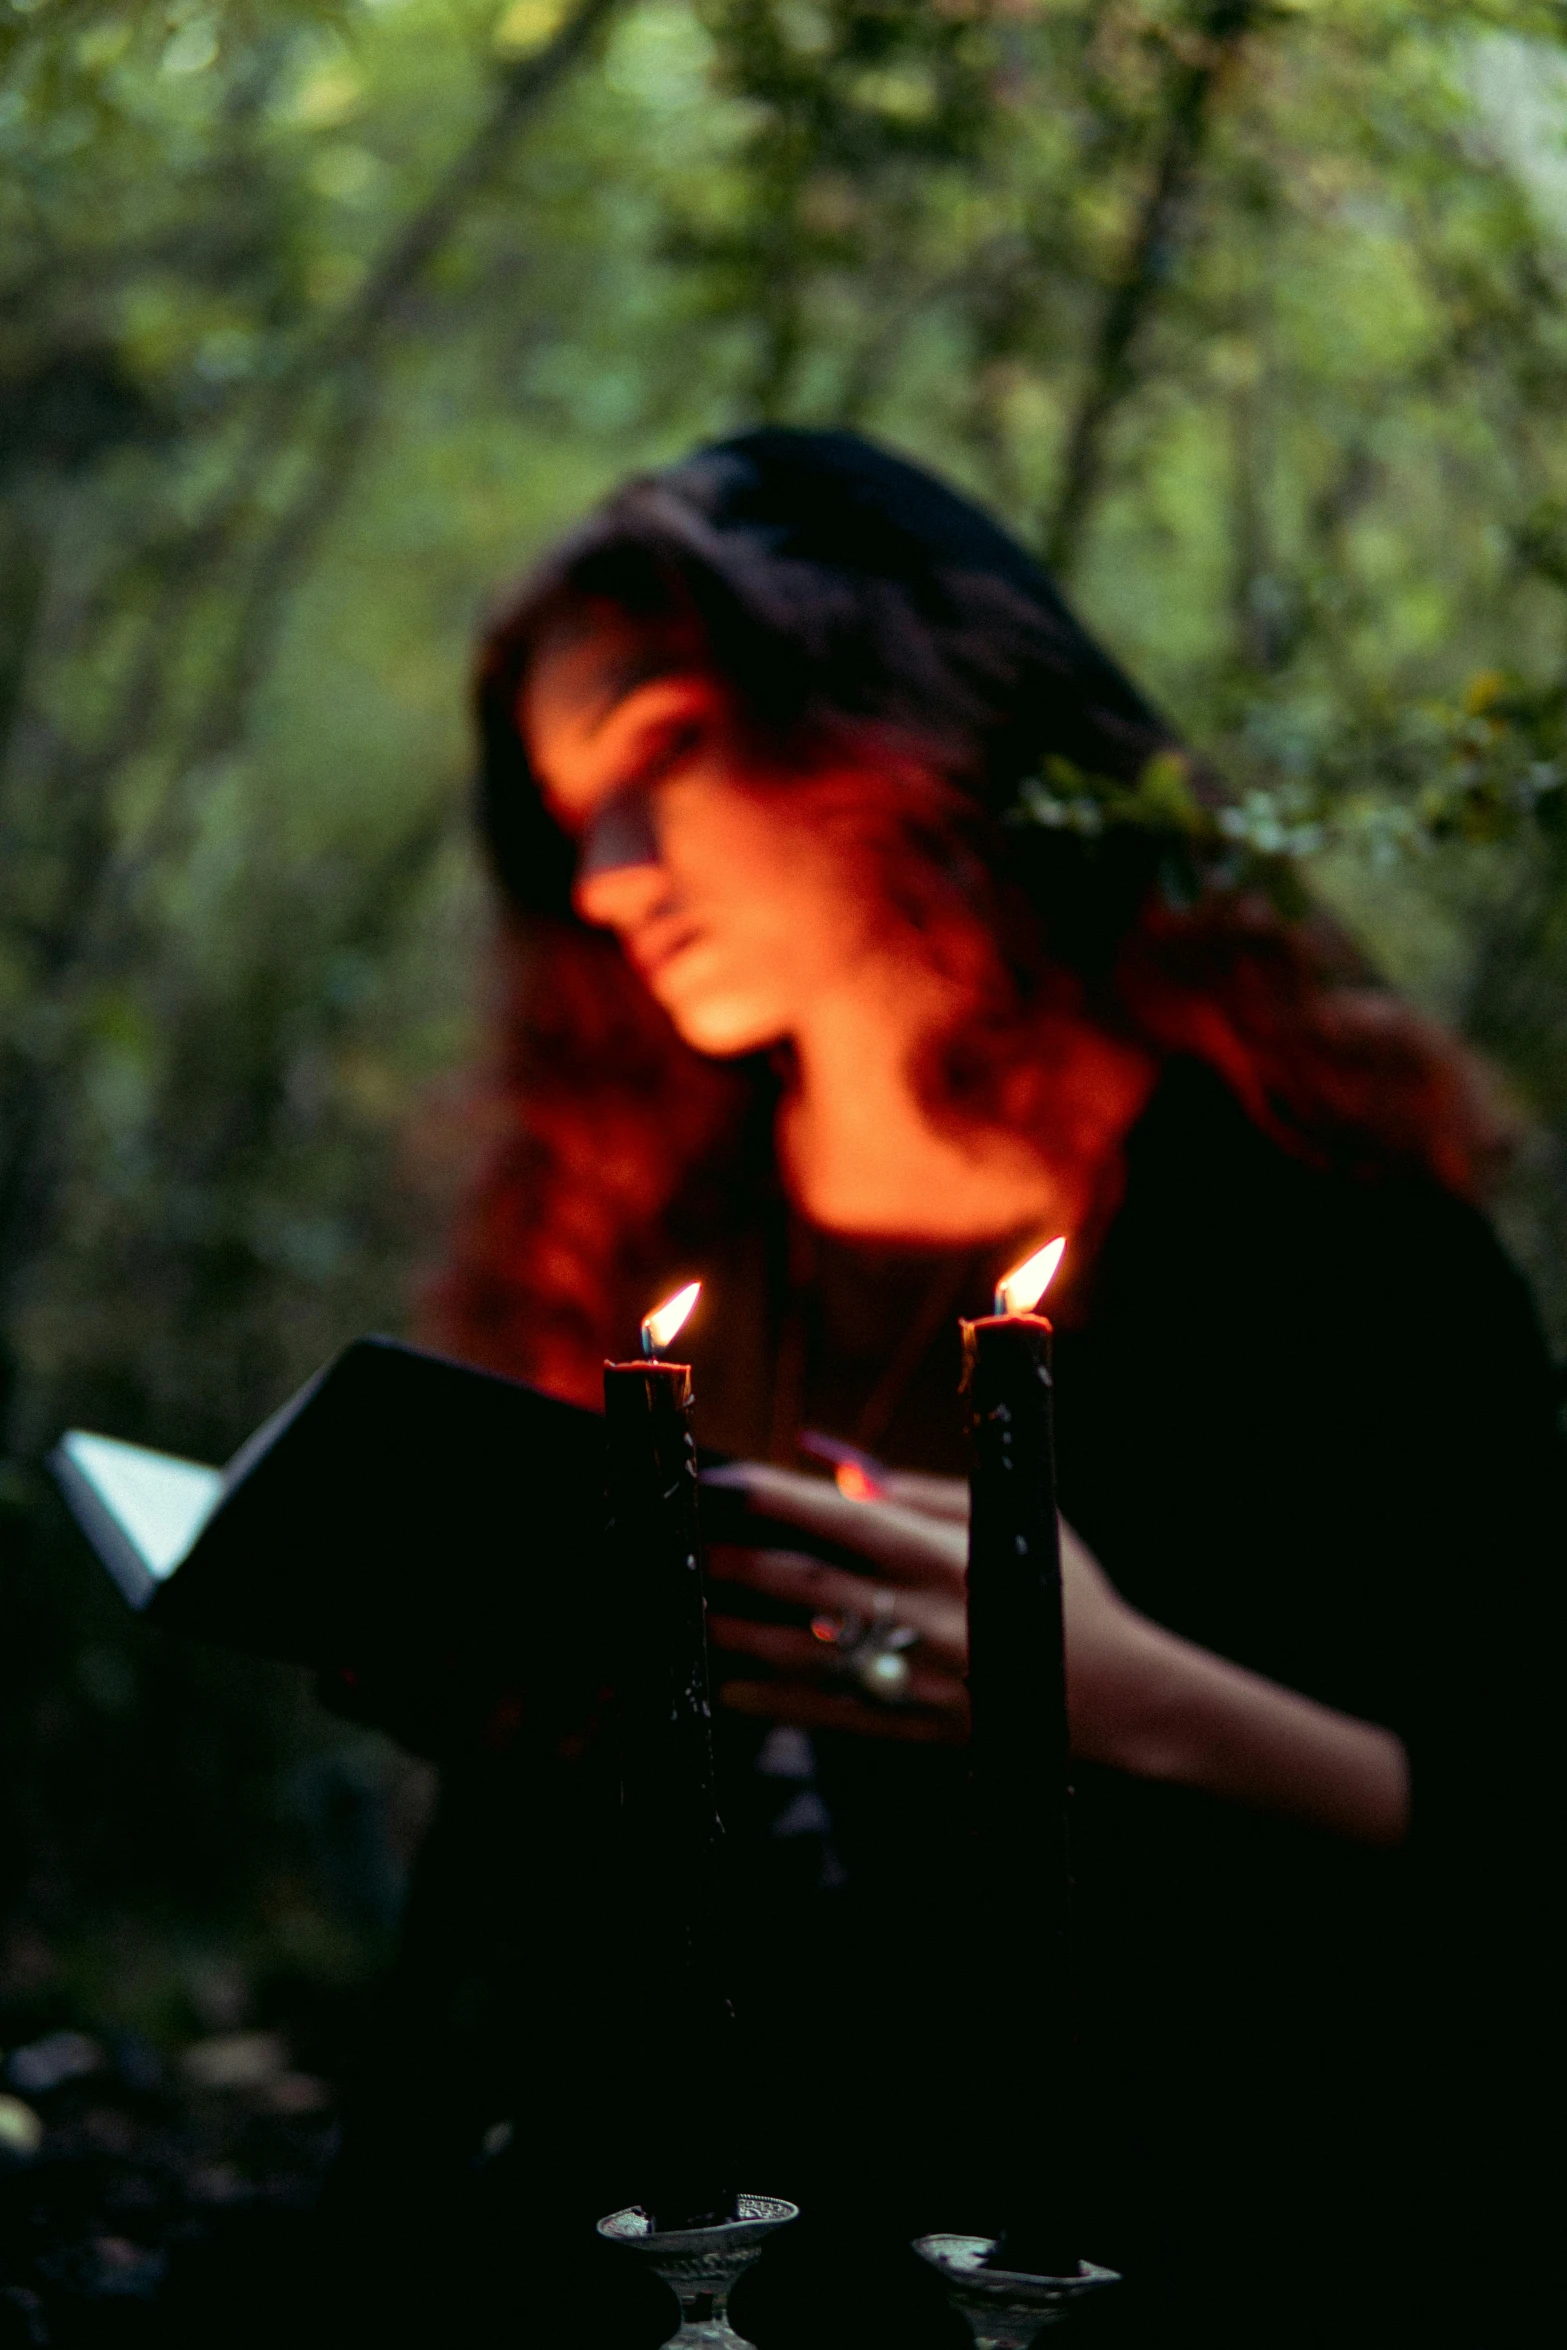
(1005, 2308)
(702, 2265)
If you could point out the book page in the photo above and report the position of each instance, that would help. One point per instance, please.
(158, 1502)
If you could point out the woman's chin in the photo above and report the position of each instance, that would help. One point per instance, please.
(723, 1026)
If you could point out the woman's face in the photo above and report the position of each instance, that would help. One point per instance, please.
(739, 898)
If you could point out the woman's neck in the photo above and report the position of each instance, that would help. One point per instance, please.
(861, 1153)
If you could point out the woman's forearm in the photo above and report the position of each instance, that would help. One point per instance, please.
(1199, 1721)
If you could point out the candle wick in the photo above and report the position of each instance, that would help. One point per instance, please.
(1000, 1306)
(648, 1348)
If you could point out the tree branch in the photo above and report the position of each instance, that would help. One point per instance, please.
(524, 89)
(348, 337)
(95, 910)
(1222, 28)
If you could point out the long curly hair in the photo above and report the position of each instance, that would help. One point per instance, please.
(849, 600)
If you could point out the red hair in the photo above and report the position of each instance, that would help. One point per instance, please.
(852, 604)
(605, 1119)
(620, 1149)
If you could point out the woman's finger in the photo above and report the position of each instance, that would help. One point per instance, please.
(932, 1497)
(783, 1646)
(806, 1707)
(801, 1655)
(903, 1543)
(795, 1576)
(807, 1583)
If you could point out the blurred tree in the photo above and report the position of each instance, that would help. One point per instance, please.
(1252, 316)
(317, 315)
(146, 598)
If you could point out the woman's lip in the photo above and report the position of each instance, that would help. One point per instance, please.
(653, 948)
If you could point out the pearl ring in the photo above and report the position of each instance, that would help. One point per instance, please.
(870, 1649)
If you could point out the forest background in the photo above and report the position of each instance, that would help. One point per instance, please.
(316, 318)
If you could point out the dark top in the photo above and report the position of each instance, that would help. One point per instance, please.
(1310, 1424)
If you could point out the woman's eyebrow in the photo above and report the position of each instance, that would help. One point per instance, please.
(644, 758)
(664, 744)
(665, 733)
(620, 678)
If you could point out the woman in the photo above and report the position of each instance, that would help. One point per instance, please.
(872, 929)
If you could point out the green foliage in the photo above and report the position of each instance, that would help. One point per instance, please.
(317, 316)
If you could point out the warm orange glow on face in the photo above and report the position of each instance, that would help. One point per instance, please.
(666, 1322)
(1019, 1291)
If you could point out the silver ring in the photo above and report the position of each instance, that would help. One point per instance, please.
(869, 1650)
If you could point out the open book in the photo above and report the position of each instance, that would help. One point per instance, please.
(399, 1501)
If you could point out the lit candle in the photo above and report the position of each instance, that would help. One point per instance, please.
(1019, 1769)
(669, 1812)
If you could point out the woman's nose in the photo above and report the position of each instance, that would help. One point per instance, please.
(619, 877)
(622, 898)
(620, 834)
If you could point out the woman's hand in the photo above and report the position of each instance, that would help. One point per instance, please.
(910, 1552)
(1139, 1697)
(915, 1554)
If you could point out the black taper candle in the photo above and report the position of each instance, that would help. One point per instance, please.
(1020, 1791)
(678, 2013)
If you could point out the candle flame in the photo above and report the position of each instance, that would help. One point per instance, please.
(856, 1483)
(857, 1476)
(1019, 1291)
(667, 1321)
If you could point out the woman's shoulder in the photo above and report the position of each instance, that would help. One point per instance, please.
(1218, 1213)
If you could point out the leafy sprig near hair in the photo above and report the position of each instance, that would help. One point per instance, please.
(1490, 769)
(1063, 797)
